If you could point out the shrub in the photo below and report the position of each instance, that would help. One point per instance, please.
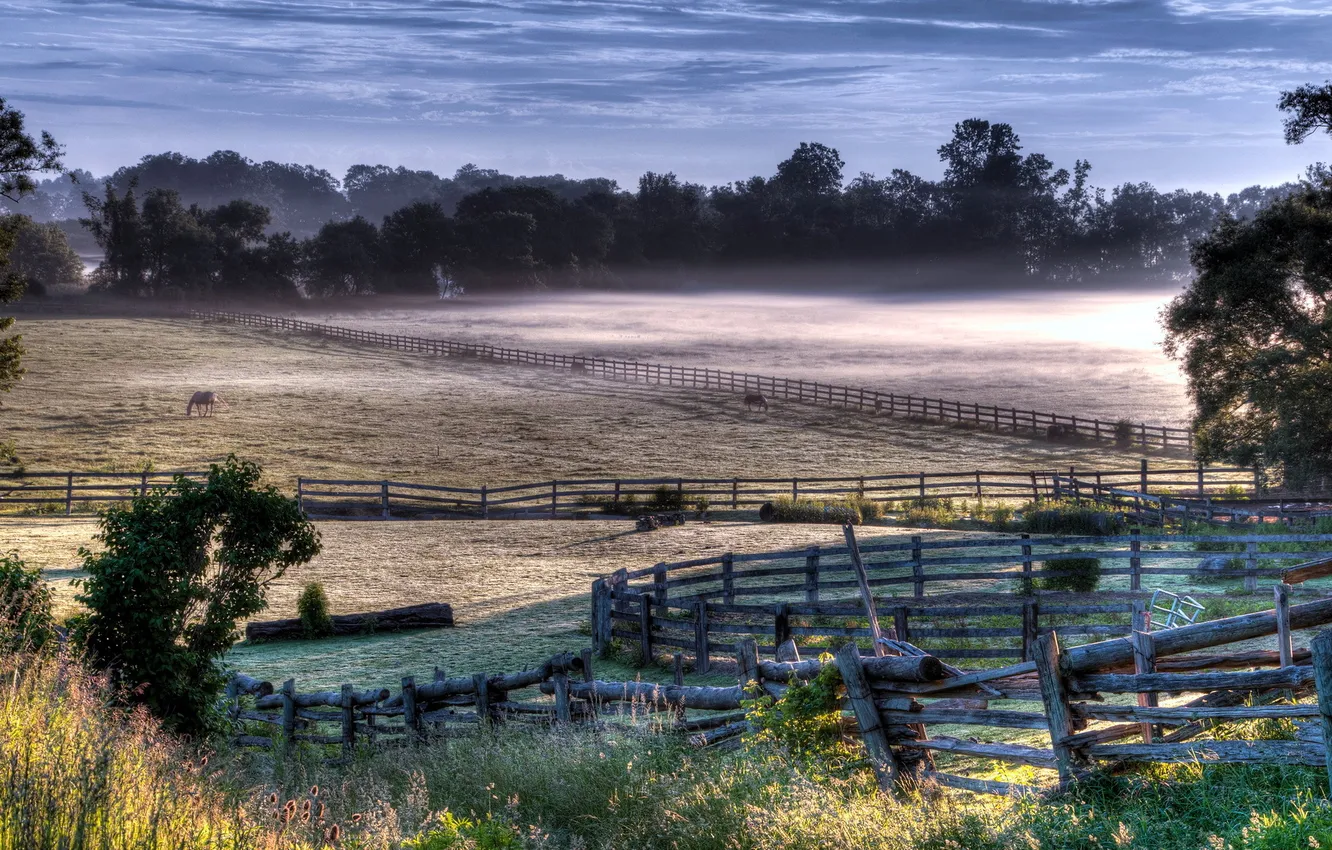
(25, 606)
(1067, 517)
(786, 509)
(1079, 575)
(666, 498)
(930, 512)
(179, 567)
(312, 607)
(449, 832)
(869, 509)
(1123, 434)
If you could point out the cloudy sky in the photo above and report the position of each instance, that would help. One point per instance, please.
(1176, 92)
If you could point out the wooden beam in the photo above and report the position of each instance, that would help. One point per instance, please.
(849, 532)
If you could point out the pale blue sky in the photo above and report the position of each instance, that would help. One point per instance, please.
(1176, 92)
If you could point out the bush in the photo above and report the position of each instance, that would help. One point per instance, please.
(312, 608)
(25, 606)
(1067, 517)
(1124, 431)
(179, 567)
(1079, 575)
(930, 512)
(786, 509)
(666, 498)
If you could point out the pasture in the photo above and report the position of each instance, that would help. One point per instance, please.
(110, 394)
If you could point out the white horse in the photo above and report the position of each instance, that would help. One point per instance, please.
(204, 400)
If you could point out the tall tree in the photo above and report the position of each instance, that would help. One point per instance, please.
(21, 156)
(1310, 109)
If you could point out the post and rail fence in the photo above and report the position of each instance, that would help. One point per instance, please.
(1140, 435)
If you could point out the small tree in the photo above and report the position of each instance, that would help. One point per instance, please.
(1079, 575)
(313, 610)
(25, 605)
(180, 566)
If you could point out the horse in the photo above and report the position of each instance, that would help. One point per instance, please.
(204, 400)
(753, 400)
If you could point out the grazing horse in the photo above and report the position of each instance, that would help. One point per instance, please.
(204, 401)
(753, 400)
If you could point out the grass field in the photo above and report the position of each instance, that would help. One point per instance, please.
(110, 394)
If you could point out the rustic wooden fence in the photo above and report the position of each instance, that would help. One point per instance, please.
(813, 595)
(63, 492)
(808, 392)
(895, 696)
(332, 498)
(1204, 505)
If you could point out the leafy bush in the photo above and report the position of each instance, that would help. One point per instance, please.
(930, 512)
(179, 567)
(312, 607)
(1124, 432)
(786, 509)
(450, 832)
(1079, 575)
(869, 509)
(806, 720)
(665, 498)
(1068, 517)
(25, 605)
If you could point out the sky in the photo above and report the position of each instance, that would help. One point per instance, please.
(1174, 92)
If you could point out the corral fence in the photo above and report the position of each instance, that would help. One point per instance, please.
(894, 696)
(324, 498)
(997, 418)
(813, 595)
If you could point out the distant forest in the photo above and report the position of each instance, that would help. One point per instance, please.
(226, 226)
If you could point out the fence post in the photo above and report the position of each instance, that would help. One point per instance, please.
(485, 502)
(1257, 481)
(746, 661)
(348, 719)
(69, 494)
(645, 626)
(383, 500)
(1250, 564)
(659, 583)
(702, 652)
(812, 574)
(1030, 628)
(1284, 649)
(728, 578)
(917, 569)
(554, 497)
(1028, 587)
(781, 624)
(1202, 491)
(795, 489)
(1144, 661)
(867, 716)
(1135, 561)
(481, 684)
(143, 485)
(289, 713)
(1035, 490)
(735, 493)
(561, 681)
(300, 494)
(615, 500)
(1142, 473)
(1321, 646)
(601, 618)
(922, 489)
(410, 718)
(586, 655)
(677, 667)
(900, 628)
(1058, 712)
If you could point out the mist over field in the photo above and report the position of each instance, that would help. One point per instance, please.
(1094, 354)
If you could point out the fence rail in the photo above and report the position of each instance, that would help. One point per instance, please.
(998, 418)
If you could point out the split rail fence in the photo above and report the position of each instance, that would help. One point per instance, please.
(711, 604)
(1200, 506)
(66, 492)
(807, 392)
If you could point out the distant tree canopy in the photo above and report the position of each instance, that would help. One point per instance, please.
(1253, 331)
(396, 230)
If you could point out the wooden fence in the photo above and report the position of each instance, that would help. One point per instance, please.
(62, 492)
(579, 497)
(333, 498)
(813, 595)
(1201, 506)
(808, 392)
(895, 696)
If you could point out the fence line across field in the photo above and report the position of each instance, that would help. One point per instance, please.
(326, 497)
(811, 392)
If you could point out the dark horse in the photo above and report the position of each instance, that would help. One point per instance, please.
(753, 400)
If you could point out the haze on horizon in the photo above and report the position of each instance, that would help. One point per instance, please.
(1174, 92)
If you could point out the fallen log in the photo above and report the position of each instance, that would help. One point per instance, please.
(889, 668)
(243, 684)
(327, 698)
(429, 615)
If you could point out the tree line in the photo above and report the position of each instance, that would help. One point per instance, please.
(1013, 213)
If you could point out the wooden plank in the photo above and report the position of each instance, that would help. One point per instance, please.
(965, 717)
(1054, 696)
(1219, 752)
(1162, 682)
(872, 733)
(1321, 647)
(1185, 714)
(1017, 753)
(1306, 571)
(980, 786)
(876, 634)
